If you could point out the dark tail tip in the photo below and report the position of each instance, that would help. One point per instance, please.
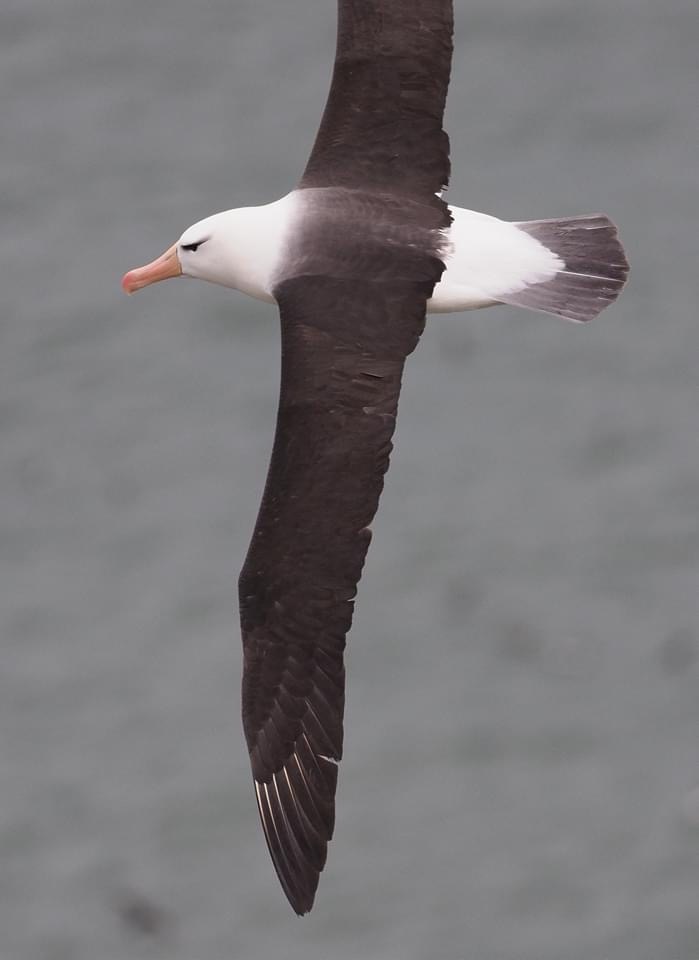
(594, 272)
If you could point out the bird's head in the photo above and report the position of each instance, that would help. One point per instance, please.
(204, 250)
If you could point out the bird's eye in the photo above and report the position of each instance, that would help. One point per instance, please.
(193, 246)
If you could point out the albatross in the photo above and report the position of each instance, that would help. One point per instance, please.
(354, 257)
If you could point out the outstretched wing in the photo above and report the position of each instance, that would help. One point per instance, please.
(344, 343)
(352, 295)
(382, 125)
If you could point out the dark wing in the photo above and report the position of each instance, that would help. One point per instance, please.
(344, 343)
(382, 125)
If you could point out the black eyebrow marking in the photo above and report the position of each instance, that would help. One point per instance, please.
(193, 246)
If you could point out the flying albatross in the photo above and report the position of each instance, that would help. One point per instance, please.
(355, 256)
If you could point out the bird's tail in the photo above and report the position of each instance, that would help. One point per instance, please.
(594, 268)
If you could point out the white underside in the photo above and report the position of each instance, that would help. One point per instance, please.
(487, 259)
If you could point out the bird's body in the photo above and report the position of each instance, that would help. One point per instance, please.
(487, 260)
(355, 257)
(479, 250)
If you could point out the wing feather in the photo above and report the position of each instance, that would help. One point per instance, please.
(337, 410)
(382, 124)
(352, 291)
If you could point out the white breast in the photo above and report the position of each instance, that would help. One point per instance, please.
(260, 238)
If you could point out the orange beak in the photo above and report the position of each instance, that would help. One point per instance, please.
(167, 265)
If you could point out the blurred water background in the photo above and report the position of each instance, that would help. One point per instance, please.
(521, 779)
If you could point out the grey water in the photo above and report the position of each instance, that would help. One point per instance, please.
(521, 777)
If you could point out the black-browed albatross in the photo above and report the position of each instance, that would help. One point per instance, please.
(355, 256)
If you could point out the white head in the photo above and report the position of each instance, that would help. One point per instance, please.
(206, 250)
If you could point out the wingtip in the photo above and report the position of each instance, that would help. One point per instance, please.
(297, 865)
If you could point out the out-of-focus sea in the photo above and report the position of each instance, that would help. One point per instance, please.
(521, 778)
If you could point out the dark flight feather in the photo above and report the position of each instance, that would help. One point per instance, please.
(337, 412)
(366, 253)
(382, 124)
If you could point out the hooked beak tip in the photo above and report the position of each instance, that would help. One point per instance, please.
(126, 283)
(166, 266)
